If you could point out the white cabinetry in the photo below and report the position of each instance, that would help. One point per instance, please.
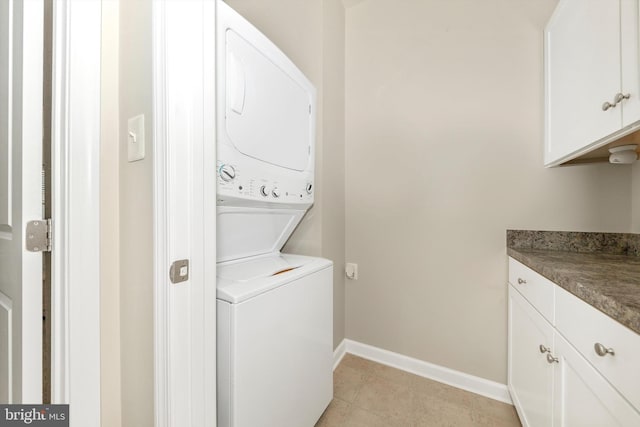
(591, 58)
(583, 397)
(530, 376)
(551, 380)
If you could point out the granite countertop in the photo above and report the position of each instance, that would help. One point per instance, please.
(602, 269)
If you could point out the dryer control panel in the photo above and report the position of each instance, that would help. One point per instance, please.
(236, 184)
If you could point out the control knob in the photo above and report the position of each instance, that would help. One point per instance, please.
(227, 173)
(263, 191)
(309, 187)
(275, 192)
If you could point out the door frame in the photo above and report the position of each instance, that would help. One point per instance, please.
(184, 211)
(75, 134)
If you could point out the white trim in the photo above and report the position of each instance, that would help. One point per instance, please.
(6, 207)
(338, 353)
(162, 407)
(60, 184)
(76, 201)
(477, 385)
(7, 305)
(516, 403)
(184, 211)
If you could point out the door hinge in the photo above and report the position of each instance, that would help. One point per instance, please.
(38, 235)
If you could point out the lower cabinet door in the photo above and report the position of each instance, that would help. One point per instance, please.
(530, 373)
(583, 397)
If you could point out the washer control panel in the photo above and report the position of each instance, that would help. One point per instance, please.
(233, 183)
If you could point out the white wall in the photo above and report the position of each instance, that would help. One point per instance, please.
(443, 154)
(136, 218)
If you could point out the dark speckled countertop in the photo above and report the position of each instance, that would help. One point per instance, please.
(602, 269)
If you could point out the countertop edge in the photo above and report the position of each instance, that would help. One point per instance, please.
(607, 305)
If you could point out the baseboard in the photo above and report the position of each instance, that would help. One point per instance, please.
(339, 353)
(481, 386)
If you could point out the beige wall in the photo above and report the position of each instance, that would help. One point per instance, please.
(333, 209)
(109, 221)
(443, 154)
(311, 34)
(136, 218)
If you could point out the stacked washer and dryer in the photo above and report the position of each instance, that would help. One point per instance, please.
(274, 310)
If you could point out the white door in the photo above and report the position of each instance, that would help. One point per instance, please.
(530, 375)
(21, 41)
(582, 70)
(583, 397)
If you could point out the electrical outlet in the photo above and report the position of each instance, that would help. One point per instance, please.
(351, 270)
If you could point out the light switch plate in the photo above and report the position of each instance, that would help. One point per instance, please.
(135, 138)
(351, 270)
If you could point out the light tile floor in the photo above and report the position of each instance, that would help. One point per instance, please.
(368, 394)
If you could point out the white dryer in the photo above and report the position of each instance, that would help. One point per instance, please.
(275, 316)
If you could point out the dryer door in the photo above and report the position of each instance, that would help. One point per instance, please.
(268, 102)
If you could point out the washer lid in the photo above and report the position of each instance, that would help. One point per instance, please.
(240, 280)
(258, 268)
(249, 231)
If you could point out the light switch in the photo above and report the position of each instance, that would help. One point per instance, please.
(135, 138)
(351, 270)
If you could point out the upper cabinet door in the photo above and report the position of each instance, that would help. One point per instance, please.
(630, 48)
(582, 72)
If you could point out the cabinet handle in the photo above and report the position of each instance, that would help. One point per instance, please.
(616, 100)
(521, 281)
(602, 351)
(620, 96)
(544, 349)
(551, 359)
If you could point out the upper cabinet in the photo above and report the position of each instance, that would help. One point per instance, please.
(592, 80)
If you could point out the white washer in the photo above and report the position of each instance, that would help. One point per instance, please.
(275, 316)
(274, 341)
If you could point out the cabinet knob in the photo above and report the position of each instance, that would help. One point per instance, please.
(521, 281)
(551, 359)
(602, 351)
(616, 100)
(608, 105)
(620, 96)
(544, 349)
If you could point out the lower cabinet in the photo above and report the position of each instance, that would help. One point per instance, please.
(583, 396)
(551, 383)
(530, 375)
